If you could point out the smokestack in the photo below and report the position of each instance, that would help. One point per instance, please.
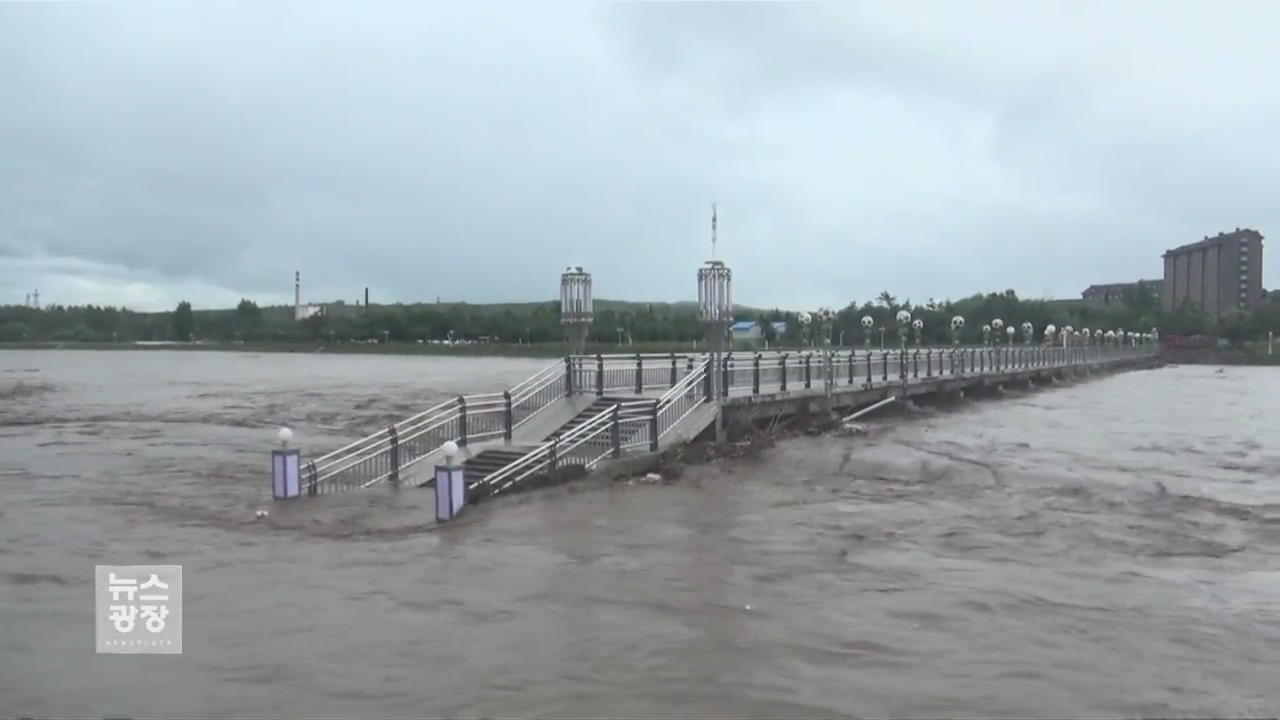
(366, 296)
(297, 289)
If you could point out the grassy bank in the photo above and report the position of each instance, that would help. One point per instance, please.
(1250, 354)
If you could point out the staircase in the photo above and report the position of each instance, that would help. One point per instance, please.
(595, 408)
(486, 462)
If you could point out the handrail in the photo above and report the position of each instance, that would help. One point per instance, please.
(563, 443)
(632, 356)
(683, 386)
(387, 452)
(626, 411)
(549, 371)
(383, 455)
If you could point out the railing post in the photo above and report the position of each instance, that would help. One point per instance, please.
(706, 381)
(568, 375)
(850, 367)
(928, 364)
(555, 452)
(868, 368)
(653, 427)
(724, 374)
(674, 372)
(507, 415)
(639, 374)
(782, 364)
(915, 363)
(313, 485)
(616, 432)
(462, 421)
(884, 362)
(599, 375)
(394, 476)
(808, 371)
(755, 375)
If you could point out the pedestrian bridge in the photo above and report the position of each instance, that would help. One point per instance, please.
(589, 410)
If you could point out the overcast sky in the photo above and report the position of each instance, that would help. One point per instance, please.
(151, 152)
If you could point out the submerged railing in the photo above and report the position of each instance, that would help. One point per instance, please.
(622, 426)
(385, 455)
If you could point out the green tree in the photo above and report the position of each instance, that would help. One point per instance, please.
(248, 319)
(184, 322)
(1235, 327)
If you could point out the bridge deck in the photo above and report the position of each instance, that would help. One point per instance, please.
(532, 412)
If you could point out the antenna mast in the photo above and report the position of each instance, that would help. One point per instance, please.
(713, 231)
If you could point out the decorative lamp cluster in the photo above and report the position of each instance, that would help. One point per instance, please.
(575, 296)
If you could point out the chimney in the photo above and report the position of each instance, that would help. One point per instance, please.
(297, 289)
(366, 296)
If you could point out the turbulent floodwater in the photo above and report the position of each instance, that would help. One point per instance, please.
(1108, 548)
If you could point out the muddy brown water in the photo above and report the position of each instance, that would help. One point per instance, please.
(1102, 549)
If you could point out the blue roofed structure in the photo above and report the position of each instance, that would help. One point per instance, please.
(750, 330)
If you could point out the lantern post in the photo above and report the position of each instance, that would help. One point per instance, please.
(576, 306)
(715, 310)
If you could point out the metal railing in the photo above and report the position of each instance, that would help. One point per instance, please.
(786, 371)
(634, 373)
(620, 427)
(385, 455)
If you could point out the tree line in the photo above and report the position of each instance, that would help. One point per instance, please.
(625, 323)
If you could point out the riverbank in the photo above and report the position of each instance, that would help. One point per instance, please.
(1249, 355)
(548, 350)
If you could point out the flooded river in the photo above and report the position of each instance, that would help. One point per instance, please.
(1101, 549)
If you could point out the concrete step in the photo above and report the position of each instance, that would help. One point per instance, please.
(595, 408)
(486, 462)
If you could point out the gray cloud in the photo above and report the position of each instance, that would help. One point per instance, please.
(154, 152)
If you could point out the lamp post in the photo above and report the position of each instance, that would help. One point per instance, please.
(806, 335)
(715, 309)
(918, 326)
(903, 319)
(1066, 334)
(986, 334)
(1050, 332)
(868, 323)
(576, 304)
(957, 325)
(1028, 331)
(1010, 332)
(826, 320)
